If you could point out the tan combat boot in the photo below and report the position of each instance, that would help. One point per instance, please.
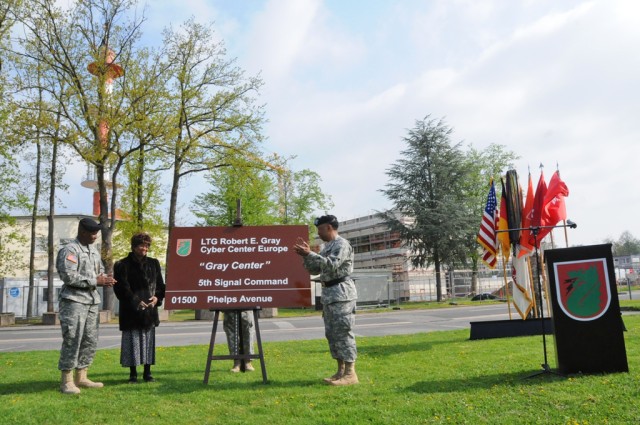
(248, 366)
(336, 375)
(83, 381)
(67, 386)
(236, 366)
(349, 377)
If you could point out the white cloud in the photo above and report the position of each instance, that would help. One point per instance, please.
(279, 35)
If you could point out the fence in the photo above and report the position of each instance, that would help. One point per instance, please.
(14, 296)
(421, 285)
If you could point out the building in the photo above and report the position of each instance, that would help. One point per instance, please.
(376, 247)
(14, 288)
(627, 268)
(65, 230)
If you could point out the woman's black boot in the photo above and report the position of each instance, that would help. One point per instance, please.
(133, 375)
(147, 373)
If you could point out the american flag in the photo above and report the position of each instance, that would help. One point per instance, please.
(487, 234)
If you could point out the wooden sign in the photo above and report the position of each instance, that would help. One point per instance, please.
(236, 267)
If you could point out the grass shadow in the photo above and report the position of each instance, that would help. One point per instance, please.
(28, 387)
(380, 350)
(484, 382)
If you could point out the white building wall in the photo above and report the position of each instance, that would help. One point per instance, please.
(65, 229)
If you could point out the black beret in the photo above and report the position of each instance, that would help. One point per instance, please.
(331, 219)
(90, 225)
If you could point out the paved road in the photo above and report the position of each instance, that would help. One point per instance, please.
(30, 338)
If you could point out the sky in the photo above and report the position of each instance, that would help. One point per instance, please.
(556, 82)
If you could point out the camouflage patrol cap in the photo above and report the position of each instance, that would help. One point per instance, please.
(331, 219)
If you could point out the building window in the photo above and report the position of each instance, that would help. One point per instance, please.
(45, 294)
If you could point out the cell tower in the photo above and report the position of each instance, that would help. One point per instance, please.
(106, 71)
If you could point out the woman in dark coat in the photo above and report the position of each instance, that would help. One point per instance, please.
(140, 289)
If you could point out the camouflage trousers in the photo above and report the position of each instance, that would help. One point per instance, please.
(232, 323)
(339, 320)
(79, 323)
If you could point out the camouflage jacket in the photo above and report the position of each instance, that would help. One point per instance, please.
(79, 266)
(333, 262)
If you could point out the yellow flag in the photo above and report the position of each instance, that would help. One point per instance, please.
(503, 226)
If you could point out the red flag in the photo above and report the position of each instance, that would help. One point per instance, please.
(554, 209)
(536, 212)
(527, 215)
(487, 234)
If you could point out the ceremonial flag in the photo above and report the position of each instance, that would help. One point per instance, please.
(487, 234)
(522, 299)
(514, 205)
(527, 215)
(538, 205)
(503, 225)
(554, 209)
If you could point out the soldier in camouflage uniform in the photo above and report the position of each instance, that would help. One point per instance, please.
(80, 268)
(334, 264)
(232, 322)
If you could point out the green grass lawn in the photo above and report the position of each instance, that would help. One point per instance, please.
(437, 377)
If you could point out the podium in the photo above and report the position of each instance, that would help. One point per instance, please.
(587, 322)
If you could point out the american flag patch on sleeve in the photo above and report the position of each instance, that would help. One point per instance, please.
(72, 258)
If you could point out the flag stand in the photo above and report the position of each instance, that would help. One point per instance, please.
(545, 366)
(546, 369)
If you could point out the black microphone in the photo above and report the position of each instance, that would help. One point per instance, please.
(571, 224)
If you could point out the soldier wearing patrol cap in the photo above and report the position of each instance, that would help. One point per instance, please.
(80, 268)
(334, 264)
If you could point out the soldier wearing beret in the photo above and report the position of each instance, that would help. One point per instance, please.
(80, 268)
(334, 264)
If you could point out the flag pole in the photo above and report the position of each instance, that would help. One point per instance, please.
(545, 281)
(506, 285)
(564, 221)
(531, 287)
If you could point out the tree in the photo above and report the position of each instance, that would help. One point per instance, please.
(7, 20)
(12, 195)
(301, 196)
(141, 195)
(625, 245)
(94, 112)
(212, 106)
(250, 185)
(140, 201)
(12, 198)
(37, 187)
(34, 125)
(269, 195)
(491, 162)
(427, 184)
(56, 171)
